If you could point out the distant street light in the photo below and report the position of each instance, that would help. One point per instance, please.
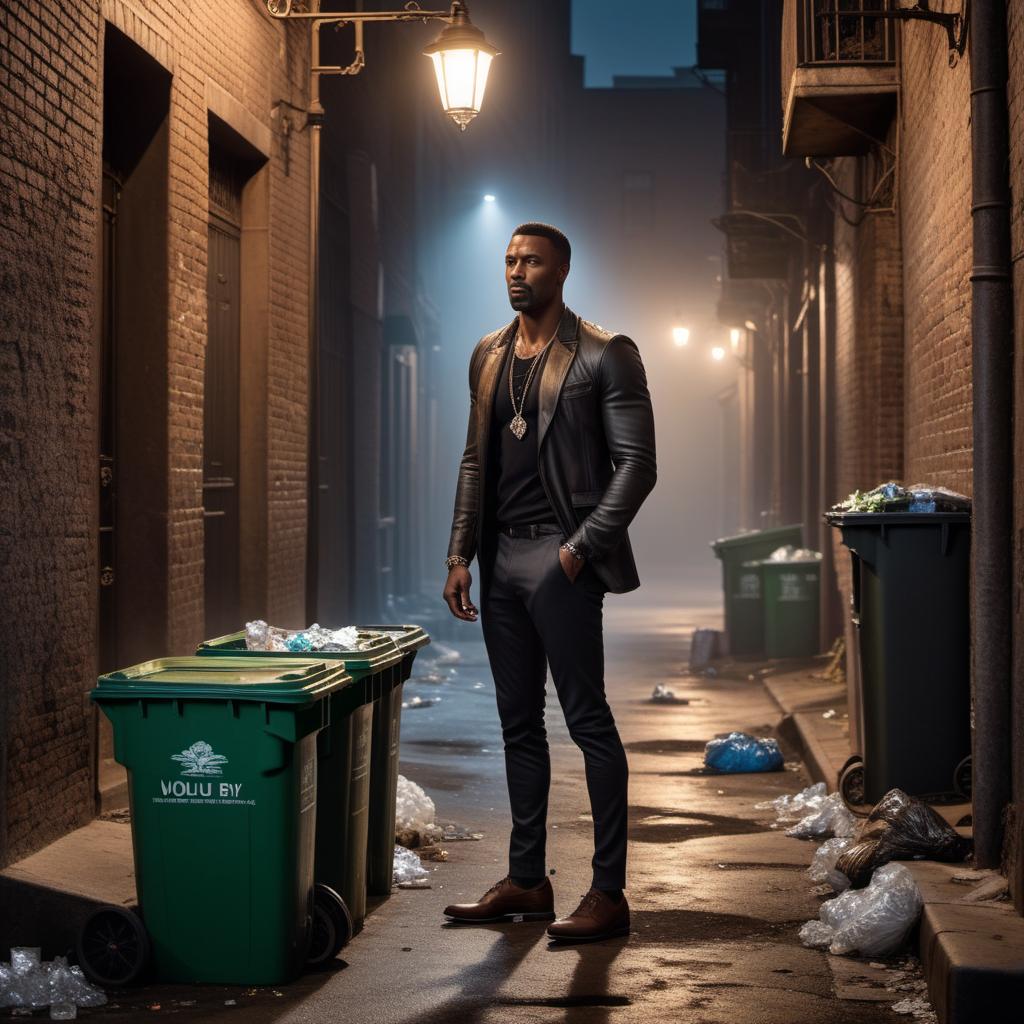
(734, 338)
(680, 335)
(750, 325)
(490, 198)
(718, 353)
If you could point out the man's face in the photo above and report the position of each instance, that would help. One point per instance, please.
(534, 272)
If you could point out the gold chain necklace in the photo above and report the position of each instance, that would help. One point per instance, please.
(518, 423)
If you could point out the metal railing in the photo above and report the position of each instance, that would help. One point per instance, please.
(845, 32)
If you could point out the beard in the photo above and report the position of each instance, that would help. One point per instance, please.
(524, 300)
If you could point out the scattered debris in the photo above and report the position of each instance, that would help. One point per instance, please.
(409, 872)
(445, 655)
(991, 890)
(420, 702)
(793, 806)
(663, 695)
(452, 833)
(789, 553)
(823, 866)
(893, 497)
(27, 983)
(900, 827)
(874, 921)
(741, 752)
(832, 818)
(918, 1006)
(413, 808)
(831, 713)
(705, 646)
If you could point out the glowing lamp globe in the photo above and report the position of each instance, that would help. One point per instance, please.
(462, 58)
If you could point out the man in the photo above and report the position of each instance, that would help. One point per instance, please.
(559, 457)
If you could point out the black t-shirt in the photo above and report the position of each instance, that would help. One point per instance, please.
(516, 494)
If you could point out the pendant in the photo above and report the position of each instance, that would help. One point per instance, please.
(518, 426)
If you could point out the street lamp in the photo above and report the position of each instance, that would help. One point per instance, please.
(462, 58)
(718, 353)
(461, 55)
(734, 338)
(680, 335)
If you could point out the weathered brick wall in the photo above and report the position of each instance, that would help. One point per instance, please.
(869, 345)
(935, 221)
(50, 163)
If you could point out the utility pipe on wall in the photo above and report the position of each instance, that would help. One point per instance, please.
(992, 360)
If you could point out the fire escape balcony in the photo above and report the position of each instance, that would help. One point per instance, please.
(762, 223)
(839, 77)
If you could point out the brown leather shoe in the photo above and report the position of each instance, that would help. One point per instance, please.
(597, 917)
(505, 901)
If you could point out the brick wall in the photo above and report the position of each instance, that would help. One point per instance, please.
(50, 164)
(935, 220)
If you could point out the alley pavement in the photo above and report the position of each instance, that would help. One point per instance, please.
(717, 895)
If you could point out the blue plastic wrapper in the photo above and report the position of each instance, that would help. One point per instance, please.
(741, 752)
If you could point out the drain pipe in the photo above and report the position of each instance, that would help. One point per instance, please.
(992, 361)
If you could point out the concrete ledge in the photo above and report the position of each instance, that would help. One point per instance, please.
(973, 960)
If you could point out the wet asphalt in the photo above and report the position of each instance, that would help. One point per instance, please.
(717, 895)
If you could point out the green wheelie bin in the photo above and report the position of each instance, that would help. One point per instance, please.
(387, 720)
(741, 582)
(911, 608)
(222, 770)
(344, 750)
(790, 592)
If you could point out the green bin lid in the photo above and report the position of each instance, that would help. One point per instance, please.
(377, 653)
(408, 637)
(880, 519)
(740, 540)
(255, 679)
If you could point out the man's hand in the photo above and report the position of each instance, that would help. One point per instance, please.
(456, 594)
(571, 565)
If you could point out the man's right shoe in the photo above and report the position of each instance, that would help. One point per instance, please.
(505, 901)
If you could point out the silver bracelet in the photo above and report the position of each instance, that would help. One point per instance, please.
(573, 550)
(453, 560)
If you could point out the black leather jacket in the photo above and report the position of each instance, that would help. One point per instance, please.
(595, 445)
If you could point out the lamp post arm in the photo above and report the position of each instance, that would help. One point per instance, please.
(282, 10)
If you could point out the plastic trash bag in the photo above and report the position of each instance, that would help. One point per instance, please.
(741, 752)
(261, 637)
(872, 922)
(413, 808)
(663, 695)
(823, 866)
(29, 984)
(788, 553)
(409, 872)
(900, 827)
(894, 497)
(793, 806)
(832, 818)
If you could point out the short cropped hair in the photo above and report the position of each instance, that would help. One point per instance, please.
(548, 231)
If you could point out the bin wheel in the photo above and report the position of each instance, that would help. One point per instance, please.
(963, 777)
(851, 787)
(113, 947)
(332, 926)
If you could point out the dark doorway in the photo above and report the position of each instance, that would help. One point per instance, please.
(221, 396)
(132, 371)
(335, 426)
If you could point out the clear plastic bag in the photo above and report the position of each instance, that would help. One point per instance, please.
(832, 818)
(413, 808)
(741, 752)
(29, 984)
(900, 827)
(793, 806)
(872, 922)
(409, 872)
(261, 637)
(823, 866)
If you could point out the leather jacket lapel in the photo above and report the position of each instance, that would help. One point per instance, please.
(486, 391)
(556, 366)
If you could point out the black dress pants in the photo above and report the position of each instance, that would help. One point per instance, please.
(533, 617)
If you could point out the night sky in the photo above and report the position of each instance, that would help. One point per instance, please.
(652, 38)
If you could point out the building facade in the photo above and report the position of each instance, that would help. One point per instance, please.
(880, 317)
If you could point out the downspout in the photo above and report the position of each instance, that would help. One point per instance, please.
(992, 363)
